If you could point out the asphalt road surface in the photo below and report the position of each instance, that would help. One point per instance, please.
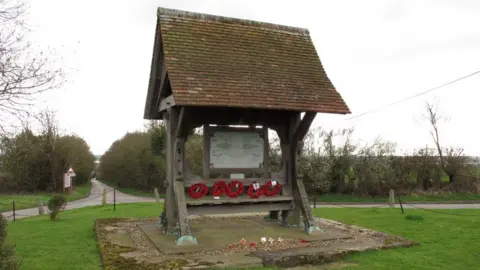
(406, 205)
(95, 198)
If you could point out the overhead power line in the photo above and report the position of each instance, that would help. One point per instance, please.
(417, 95)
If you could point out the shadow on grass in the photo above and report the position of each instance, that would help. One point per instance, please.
(414, 217)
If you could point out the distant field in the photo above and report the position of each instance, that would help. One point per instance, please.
(30, 200)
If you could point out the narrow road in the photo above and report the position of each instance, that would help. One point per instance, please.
(95, 198)
(405, 205)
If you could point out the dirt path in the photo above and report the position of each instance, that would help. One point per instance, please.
(95, 198)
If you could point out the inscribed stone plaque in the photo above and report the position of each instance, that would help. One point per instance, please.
(236, 150)
(237, 176)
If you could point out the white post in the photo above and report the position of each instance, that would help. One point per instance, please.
(104, 197)
(391, 198)
(41, 209)
(157, 197)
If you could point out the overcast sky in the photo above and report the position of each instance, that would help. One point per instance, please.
(375, 53)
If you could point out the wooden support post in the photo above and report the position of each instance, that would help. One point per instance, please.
(206, 156)
(266, 150)
(178, 172)
(286, 189)
(296, 131)
(305, 208)
(284, 172)
(289, 155)
(169, 204)
(179, 187)
(295, 215)
(184, 227)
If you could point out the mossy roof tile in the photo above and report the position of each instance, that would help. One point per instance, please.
(220, 61)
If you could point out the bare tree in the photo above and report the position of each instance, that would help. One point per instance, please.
(451, 160)
(434, 118)
(23, 73)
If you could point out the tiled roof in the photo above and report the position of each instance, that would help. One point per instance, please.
(219, 61)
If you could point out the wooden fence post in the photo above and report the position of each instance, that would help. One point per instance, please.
(13, 208)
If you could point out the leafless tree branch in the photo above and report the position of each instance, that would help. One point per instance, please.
(451, 160)
(433, 118)
(23, 73)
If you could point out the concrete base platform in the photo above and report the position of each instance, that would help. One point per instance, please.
(139, 244)
(214, 234)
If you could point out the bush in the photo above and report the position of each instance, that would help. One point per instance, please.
(73, 150)
(330, 162)
(7, 253)
(55, 205)
(33, 163)
(137, 160)
(129, 163)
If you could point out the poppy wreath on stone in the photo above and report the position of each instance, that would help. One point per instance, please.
(219, 188)
(255, 190)
(235, 189)
(197, 190)
(271, 188)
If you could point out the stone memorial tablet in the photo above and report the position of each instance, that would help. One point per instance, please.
(236, 150)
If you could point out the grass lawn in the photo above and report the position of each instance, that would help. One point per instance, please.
(447, 241)
(70, 242)
(337, 198)
(30, 200)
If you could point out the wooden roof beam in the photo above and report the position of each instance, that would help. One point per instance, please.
(180, 124)
(166, 103)
(161, 86)
(157, 62)
(303, 126)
